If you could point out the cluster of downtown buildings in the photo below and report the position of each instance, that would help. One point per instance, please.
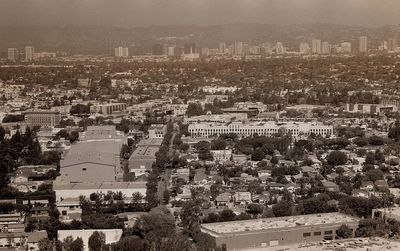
(191, 51)
(239, 48)
(28, 54)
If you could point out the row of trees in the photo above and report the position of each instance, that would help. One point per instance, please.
(163, 160)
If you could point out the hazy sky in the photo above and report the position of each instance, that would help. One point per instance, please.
(202, 12)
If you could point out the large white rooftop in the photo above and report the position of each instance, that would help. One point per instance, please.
(278, 223)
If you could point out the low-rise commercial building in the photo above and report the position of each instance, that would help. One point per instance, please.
(157, 131)
(144, 156)
(268, 232)
(371, 108)
(74, 190)
(216, 118)
(108, 109)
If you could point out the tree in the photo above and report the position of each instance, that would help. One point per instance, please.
(97, 241)
(49, 245)
(255, 209)
(80, 109)
(190, 216)
(69, 244)
(2, 133)
(336, 158)
(258, 155)
(227, 215)
(202, 146)
(371, 227)
(374, 175)
(360, 141)
(218, 144)
(194, 110)
(283, 208)
(129, 243)
(184, 147)
(166, 197)
(394, 133)
(10, 118)
(376, 140)
(344, 232)
(125, 151)
(274, 160)
(151, 192)
(155, 226)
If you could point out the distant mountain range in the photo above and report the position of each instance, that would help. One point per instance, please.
(102, 39)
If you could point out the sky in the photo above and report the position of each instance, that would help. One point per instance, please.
(133, 13)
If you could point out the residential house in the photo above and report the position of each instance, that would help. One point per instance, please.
(223, 199)
(242, 198)
(367, 185)
(331, 186)
(34, 238)
(381, 185)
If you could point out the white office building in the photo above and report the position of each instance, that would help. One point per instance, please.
(270, 128)
(121, 52)
(12, 54)
(29, 53)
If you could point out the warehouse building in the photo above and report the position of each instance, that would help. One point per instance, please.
(268, 232)
(144, 156)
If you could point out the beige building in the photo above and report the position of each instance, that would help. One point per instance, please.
(42, 118)
(157, 131)
(144, 156)
(108, 109)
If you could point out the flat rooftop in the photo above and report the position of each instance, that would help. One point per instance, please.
(231, 227)
(150, 142)
(144, 152)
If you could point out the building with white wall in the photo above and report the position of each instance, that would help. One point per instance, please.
(270, 128)
(74, 190)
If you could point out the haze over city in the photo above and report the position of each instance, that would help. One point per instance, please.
(131, 13)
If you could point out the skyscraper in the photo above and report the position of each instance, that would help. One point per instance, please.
(12, 54)
(304, 48)
(29, 51)
(222, 48)
(280, 49)
(326, 48)
(238, 48)
(171, 51)
(121, 52)
(316, 46)
(189, 48)
(363, 43)
(392, 44)
(383, 46)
